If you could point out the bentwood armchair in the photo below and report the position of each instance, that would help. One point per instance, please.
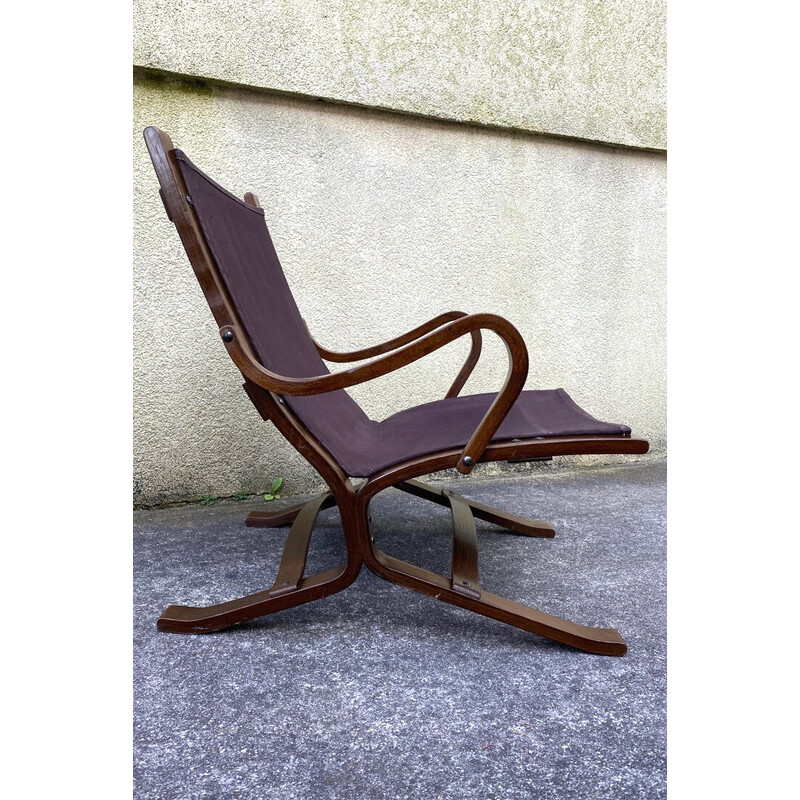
(231, 252)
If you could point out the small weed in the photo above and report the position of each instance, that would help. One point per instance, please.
(241, 496)
(208, 500)
(272, 494)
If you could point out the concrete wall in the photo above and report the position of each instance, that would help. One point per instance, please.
(594, 69)
(400, 215)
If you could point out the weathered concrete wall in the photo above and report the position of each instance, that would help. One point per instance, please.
(593, 69)
(403, 217)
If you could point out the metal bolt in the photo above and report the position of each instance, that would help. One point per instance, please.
(466, 461)
(227, 336)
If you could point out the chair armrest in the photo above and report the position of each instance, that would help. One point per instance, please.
(392, 344)
(406, 338)
(242, 355)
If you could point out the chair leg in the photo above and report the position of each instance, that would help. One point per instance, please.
(520, 525)
(290, 589)
(462, 588)
(276, 519)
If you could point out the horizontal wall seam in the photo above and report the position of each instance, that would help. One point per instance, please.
(151, 73)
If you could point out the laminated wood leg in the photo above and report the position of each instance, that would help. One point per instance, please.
(291, 587)
(295, 554)
(463, 589)
(511, 522)
(276, 519)
(464, 575)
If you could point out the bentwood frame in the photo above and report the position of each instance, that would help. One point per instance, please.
(266, 389)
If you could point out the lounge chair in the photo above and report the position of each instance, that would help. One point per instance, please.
(231, 252)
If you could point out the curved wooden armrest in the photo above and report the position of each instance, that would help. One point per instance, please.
(406, 338)
(239, 350)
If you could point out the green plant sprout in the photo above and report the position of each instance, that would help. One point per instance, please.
(208, 500)
(272, 494)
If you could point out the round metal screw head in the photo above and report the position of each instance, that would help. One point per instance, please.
(227, 336)
(466, 461)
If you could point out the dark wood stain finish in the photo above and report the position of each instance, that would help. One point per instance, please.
(511, 522)
(292, 587)
(464, 578)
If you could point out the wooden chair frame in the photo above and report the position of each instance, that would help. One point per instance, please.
(292, 586)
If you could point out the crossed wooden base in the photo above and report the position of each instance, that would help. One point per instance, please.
(462, 588)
